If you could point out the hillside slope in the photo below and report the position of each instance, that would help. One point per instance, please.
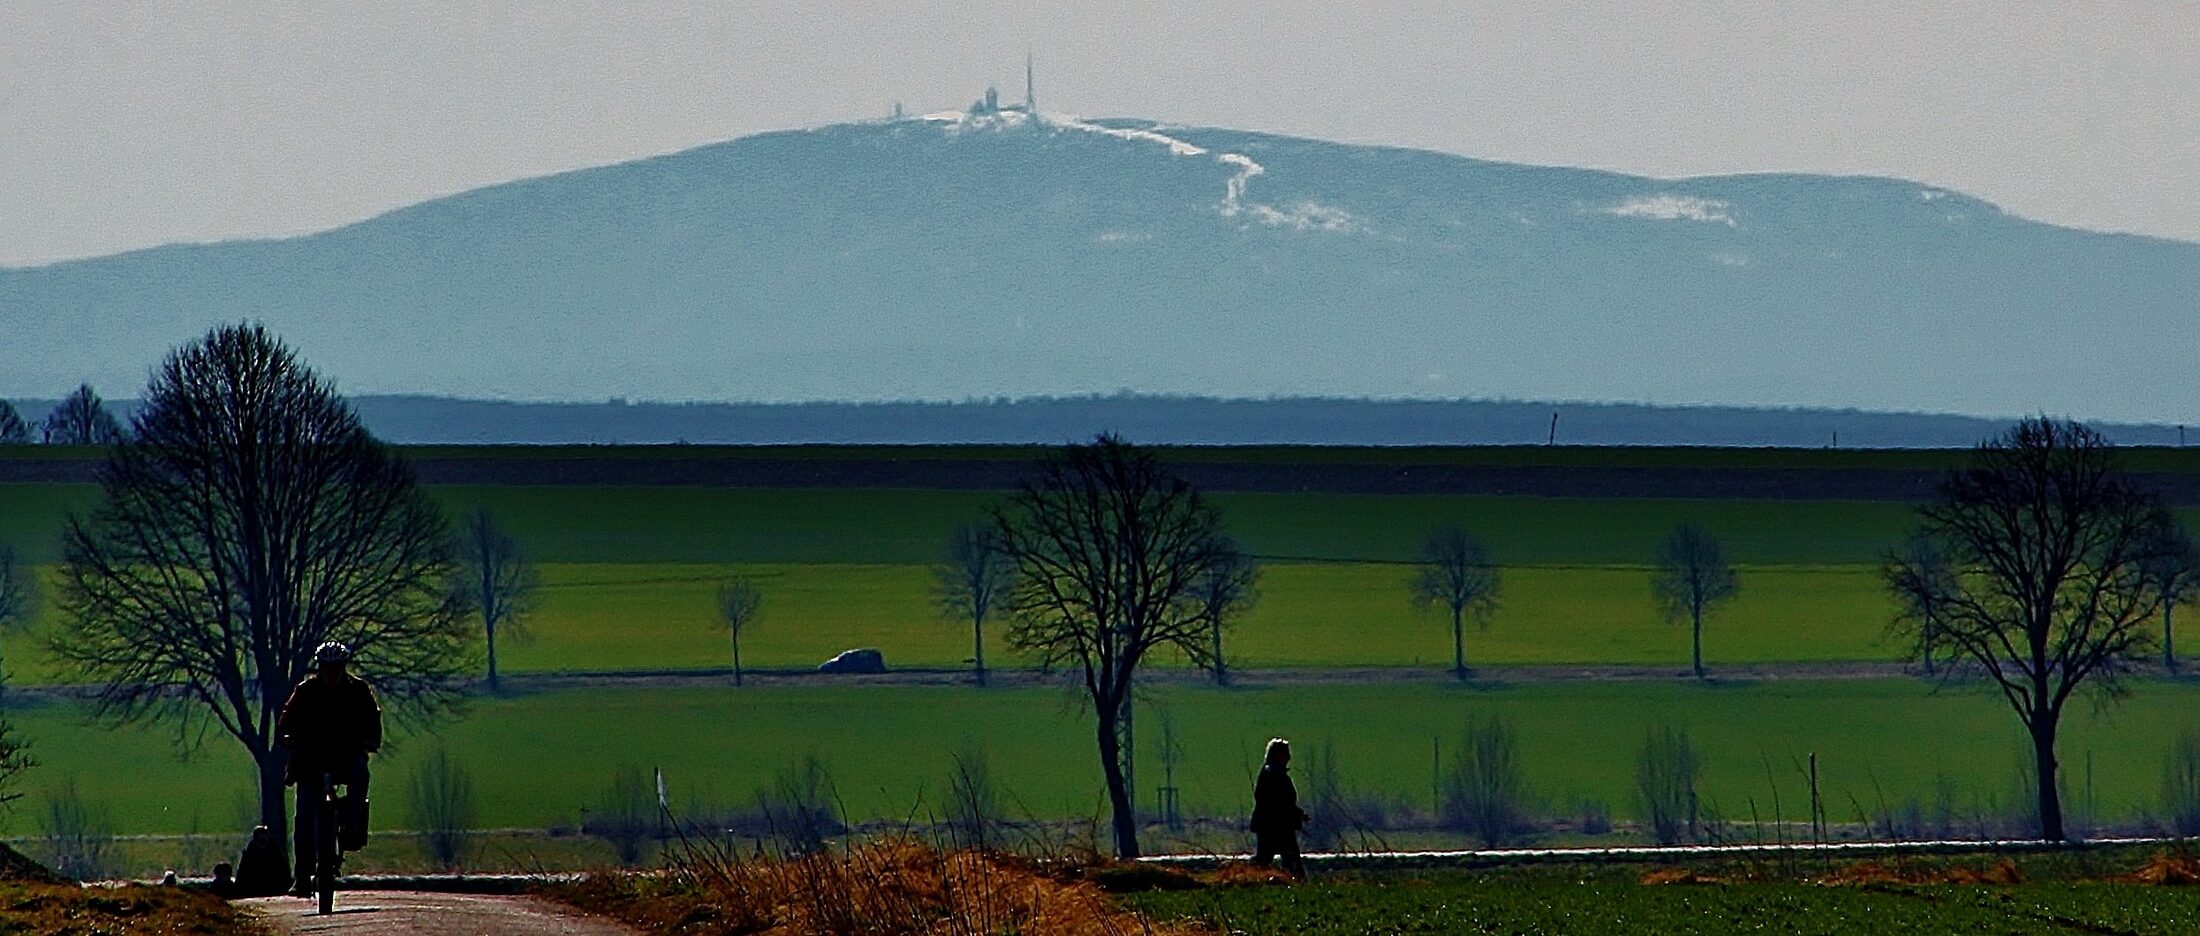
(958, 256)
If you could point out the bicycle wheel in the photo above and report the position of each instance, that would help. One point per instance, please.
(325, 842)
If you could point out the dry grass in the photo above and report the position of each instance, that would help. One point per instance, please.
(38, 909)
(2165, 868)
(2004, 871)
(1680, 876)
(887, 887)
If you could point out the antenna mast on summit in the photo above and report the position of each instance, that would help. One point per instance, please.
(1031, 96)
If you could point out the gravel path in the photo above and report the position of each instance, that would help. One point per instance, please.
(415, 913)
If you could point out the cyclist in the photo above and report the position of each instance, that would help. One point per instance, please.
(330, 724)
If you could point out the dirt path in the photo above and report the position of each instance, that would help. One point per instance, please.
(416, 913)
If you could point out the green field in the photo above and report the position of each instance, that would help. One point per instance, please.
(1594, 900)
(538, 759)
(610, 616)
(696, 524)
(603, 616)
(629, 575)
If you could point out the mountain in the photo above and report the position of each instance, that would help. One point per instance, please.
(976, 255)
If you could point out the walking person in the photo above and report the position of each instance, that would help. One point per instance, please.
(1277, 817)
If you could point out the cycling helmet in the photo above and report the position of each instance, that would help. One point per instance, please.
(331, 652)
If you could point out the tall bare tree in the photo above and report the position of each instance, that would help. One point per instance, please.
(1917, 618)
(973, 580)
(2048, 539)
(13, 430)
(739, 604)
(495, 581)
(18, 592)
(1455, 573)
(82, 419)
(1108, 545)
(1691, 578)
(1223, 592)
(2171, 571)
(251, 518)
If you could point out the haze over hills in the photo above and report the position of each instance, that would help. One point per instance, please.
(987, 254)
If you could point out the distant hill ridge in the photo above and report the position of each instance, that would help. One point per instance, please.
(1168, 420)
(978, 255)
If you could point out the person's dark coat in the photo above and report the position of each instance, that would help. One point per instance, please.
(331, 720)
(1276, 802)
(260, 872)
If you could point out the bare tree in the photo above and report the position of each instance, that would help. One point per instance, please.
(739, 603)
(1223, 592)
(973, 580)
(13, 430)
(1692, 577)
(1455, 573)
(2048, 539)
(251, 518)
(18, 591)
(82, 419)
(1917, 618)
(495, 581)
(15, 759)
(2171, 571)
(1108, 544)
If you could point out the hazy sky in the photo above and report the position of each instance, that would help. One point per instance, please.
(126, 124)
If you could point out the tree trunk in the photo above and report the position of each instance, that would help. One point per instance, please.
(273, 813)
(1696, 631)
(2043, 754)
(490, 631)
(1458, 644)
(737, 659)
(2169, 643)
(1123, 816)
(1222, 670)
(977, 646)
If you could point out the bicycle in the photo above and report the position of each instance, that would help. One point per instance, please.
(328, 841)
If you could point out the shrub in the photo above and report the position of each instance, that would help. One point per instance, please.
(79, 837)
(1485, 794)
(1666, 770)
(800, 808)
(973, 801)
(442, 808)
(2181, 784)
(625, 816)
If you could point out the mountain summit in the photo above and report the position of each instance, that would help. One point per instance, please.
(996, 251)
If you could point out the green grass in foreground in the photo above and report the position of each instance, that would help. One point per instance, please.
(538, 759)
(1593, 900)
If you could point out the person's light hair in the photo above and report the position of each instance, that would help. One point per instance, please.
(1278, 749)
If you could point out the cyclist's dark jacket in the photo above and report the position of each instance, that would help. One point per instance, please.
(329, 721)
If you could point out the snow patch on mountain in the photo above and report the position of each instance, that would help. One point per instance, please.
(1304, 216)
(1669, 207)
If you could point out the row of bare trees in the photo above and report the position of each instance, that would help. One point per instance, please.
(1456, 574)
(81, 418)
